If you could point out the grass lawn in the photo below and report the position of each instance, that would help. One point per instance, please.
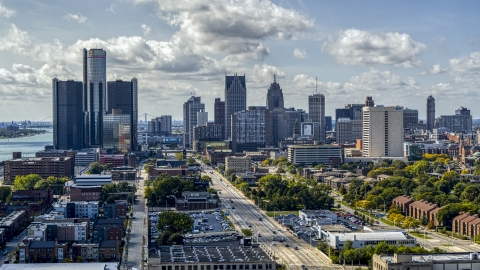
(446, 245)
(277, 213)
(420, 235)
(386, 221)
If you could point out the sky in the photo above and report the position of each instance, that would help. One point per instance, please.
(399, 52)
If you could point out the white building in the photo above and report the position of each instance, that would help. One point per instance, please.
(92, 180)
(315, 154)
(85, 157)
(319, 217)
(202, 118)
(439, 261)
(239, 164)
(360, 240)
(383, 131)
(82, 209)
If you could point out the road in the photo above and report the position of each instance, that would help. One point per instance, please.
(246, 213)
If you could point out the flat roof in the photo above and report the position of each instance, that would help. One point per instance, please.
(230, 253)
(60, 266)
(371, 236)
(433, 257)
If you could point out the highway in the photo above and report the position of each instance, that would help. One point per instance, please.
(245, 213)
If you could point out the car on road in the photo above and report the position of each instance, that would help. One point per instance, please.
(259, 235)
(296, 248)
(5, 252)
(286, 245)
(260, 219)
(274, 232)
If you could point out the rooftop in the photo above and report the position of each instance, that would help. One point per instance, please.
(59, 266)
(211, 254)
(432, 257)
(372, 236)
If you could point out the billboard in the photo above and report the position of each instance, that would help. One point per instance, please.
(307, 129)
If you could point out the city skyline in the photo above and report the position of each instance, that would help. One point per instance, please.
(355, 49)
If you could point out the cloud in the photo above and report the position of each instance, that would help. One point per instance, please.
(15, 40)
(6, 12)
(299, 53)
(75, 17)
(435, 69)
(230, 29)
(146, 30)
(357, 47)
(466, 65)
(111, 8)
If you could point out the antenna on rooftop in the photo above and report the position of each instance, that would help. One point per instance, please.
(316, 89)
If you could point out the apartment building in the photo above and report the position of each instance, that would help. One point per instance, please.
(105, 250)
(238, 164)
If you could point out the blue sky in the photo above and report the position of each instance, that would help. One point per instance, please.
(398, 52)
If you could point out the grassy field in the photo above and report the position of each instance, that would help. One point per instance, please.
(420, 235)
(277, 213)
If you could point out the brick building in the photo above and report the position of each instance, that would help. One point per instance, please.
(43, 166)
(106, 250)
(421, 209)
(42, 251)
(113, 210)
(13, 222)
(182, 171)
(115, 160)
(466, 224)
(402, 203)
(84, 193)
(108, 229)
(195, 201)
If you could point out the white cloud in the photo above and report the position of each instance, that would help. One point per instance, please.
(299, 53)
(146, 30)
(435, 69)
(75, 17)
(111, 8)
(466, 65)
(357, 47)
(15, 40)
(6, 12)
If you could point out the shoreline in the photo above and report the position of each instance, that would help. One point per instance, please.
(40, 132)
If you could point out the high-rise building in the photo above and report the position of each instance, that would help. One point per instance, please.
(219, 114)
(160, 125)
(117, 131)
(430, 113)
(235, 100)
(461, 121)
(96, 80)
(343, 128)
(410, 117)
(275, 96)
(382, 131)
(251, 129)
(67, 115)
(354, 113)
(369, 102)
(190, 109)
(328, 123)
(123, 98)
(316, 114)
(202, 118)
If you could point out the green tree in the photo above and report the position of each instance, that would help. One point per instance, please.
(191, 161)
(26, 182)
(175, 239)
(470, 193)
(107, 167)
(42, 184)
(95, 168)
(174, 222)
(179, 156)
(247, 232)
(5, 192)
(229, 172)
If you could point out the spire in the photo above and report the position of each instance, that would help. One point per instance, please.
(274, 78)
(316, 89)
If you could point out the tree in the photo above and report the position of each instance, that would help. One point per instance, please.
(179, 156)
(175, 239)
(95, 168)
(229, 172)
(107, 167)
(79, 259)
(42, 184)
(191, 161)
(26, 182)
(5, 192)
(247, 232)
(174, 222)
(206, 178)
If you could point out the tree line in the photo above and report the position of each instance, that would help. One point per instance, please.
(165, 188)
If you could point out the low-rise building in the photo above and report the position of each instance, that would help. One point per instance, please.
(56, 266)
(42, 251)
(238, 164)
(108, 229)
(60, 231)
(43, 166)
(113, 210)
(210, 258)
(34, 202)
(430, 261)
(92, 180)
(84, 193)
(115, 160)
(315, 154)
(124, 173)
(311, 216)
(195, 201)
(80, 209)
(13, 222)
(105, 250)
(361, 240)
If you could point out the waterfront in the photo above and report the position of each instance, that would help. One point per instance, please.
(27, 145)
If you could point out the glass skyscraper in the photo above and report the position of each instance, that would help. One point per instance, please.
(96, 95)
(116, 132)
(235, 100)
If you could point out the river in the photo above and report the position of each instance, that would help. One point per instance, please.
(27, 145)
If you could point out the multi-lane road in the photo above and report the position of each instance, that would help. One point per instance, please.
(246, 215)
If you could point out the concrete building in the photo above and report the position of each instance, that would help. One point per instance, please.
(275, 96)
(202, 118)
(92, 180)
(45, 167)
(235, 100)
(361, 240)
(68, 126)
(219, 114)
(190, 110)
(160, 126)
(430, 261)
(238, 164)
(343, 128)
(315, 154)
(210, 258)
(312, 216)
(461, 121)
(430, 113)
(86, 156)
(383, 131)
(410, 117)
(191, 201)
(316, 114)
(95, 94)
(84, 193)
(77, 209)
(250, 129)
(117, 132)
(204, 135)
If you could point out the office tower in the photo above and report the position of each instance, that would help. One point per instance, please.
(96, 82)
(67, 115)
(202, 118)
(316, 114)
(430, 113)
(275, 96)
(343, 128)
(250, 129)
(190, 109)
(219, 114)
(369, 102)
(160, 125)
(461, 121)
(382, 131)
(342, 113)
(235, 99)
(85, 95)
(410, 118)
(117, 133)
(328, 123)
(122, 97)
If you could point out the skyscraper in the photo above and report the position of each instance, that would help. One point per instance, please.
(190, 109)
(202, 118)
(67, 115)
(410, 117)
(123, 98)
(316, 114)
(369, 102)
(430, 113)
(219, 114)
(96, 80)
(275, 96)
(382, 131)
(235, 99)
